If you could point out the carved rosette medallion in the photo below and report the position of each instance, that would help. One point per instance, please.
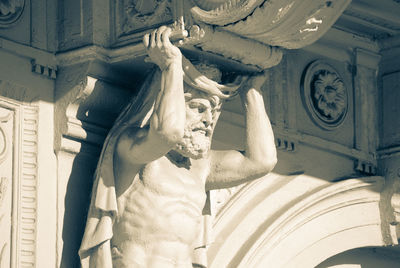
(10, 11)
(324, 94)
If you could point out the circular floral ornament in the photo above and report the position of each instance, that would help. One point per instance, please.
(10, 11)
(324, 95)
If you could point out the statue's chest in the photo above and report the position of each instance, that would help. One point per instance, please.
(171, 181)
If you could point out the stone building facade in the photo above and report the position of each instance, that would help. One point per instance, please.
(67, 68)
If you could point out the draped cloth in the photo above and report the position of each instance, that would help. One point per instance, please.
(95, 250)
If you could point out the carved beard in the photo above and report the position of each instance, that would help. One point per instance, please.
(194, 144)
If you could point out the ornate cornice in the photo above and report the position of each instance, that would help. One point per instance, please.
(223, 12)
(288, 24)
(42, 62)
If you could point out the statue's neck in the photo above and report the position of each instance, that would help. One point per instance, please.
(179, 160)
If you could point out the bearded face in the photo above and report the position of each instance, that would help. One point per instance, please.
(201, 116)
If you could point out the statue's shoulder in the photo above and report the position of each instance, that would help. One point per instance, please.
(157, 165)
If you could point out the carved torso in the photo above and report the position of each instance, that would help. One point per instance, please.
(159, 215)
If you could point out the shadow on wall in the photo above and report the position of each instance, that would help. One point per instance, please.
(384, 257)
(77, 201)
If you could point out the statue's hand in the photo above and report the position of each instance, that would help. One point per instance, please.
(160, 49)
(253, 82)
(257, 81)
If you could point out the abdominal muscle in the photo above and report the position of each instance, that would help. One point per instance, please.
(159, 218)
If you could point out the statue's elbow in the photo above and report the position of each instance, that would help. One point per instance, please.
(268, 164)
(171, 135)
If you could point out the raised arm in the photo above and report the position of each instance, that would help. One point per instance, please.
(231, 168)
(137, 146)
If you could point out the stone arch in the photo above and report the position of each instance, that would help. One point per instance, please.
(297, 221)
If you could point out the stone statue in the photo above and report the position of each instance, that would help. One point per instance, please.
(156, 164)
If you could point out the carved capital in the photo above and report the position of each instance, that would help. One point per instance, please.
(86, 107)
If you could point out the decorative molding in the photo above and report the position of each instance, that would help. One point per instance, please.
(367, 58)
(3, 190)
(245, 50)
(288, 24)
(42, 62)
(252, 25)
(385, 21)
(89, 53)
(236, 120)
(220, 197)
(5, 224)
(10, 12)
(208, 40)
(260, 225)
(338, 44)
(393, 151)
(47, 71)
(6, 184)
(365, 167)
(22, 123)
(28, 187)
(324, 95)
(3, 145)
(285, 144)
(223, 12)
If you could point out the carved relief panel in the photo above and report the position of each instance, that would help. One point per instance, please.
(18, 178)
(6, 156)
(135, 16)
(10, 11)
(15, 21)
(324, 103)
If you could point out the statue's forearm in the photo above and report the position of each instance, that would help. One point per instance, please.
(169, 111)
(231, 168)
(260, 144)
